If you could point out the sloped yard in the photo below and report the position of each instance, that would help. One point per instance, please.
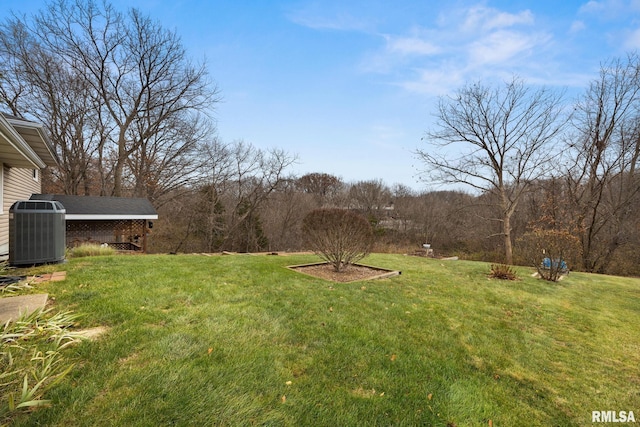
(242, 340)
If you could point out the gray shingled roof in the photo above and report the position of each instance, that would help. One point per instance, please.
(115, 207)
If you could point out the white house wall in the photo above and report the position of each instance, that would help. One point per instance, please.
(18, 184)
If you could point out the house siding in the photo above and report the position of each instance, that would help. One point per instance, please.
(18, 184)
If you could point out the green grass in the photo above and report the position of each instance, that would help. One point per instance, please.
(241, 340)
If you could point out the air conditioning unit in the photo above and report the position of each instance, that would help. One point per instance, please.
(37, 231)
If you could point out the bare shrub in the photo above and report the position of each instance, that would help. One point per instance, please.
(550, 251)
(339, 236)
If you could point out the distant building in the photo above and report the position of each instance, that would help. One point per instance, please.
(120, 222)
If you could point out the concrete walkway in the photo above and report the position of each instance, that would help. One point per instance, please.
(12, 307)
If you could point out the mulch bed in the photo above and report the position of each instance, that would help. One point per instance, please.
(354, 272)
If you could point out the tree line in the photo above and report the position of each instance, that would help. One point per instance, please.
(214, 218)
(130, 114)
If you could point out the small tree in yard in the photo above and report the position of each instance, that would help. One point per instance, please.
(549, 251)
(551, 242)
(339, 236)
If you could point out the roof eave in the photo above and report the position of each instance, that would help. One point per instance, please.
(106, 217)
(43, 148)
(15, 140)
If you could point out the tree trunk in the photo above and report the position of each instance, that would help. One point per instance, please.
(122, 159)
(117, 179)
(508, 247)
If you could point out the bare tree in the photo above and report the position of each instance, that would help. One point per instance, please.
(35, 84)
(240, 180)
(602, 175)
(135, 74)
(169, 159)
(495, 140)
(370, 197)
(323, 186)
(282, 215)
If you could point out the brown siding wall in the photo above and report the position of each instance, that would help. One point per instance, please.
(17, 184)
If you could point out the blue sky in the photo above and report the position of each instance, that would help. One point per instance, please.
(350, 87)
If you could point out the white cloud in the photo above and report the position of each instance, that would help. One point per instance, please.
(435, 81)
(592, 6)
(466, 44)
(338, 22)
(318, 17)
(482, 18)
(501, 46)
(400, 50)
(609, 9)
(612, 21)
(411, 46)
(460, 45)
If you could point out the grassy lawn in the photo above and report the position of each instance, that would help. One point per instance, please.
(241, 340)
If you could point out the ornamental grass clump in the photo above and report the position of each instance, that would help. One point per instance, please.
(90, 250)
(503, 272)
(339, 236)
(32, 361)
(12, 288)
